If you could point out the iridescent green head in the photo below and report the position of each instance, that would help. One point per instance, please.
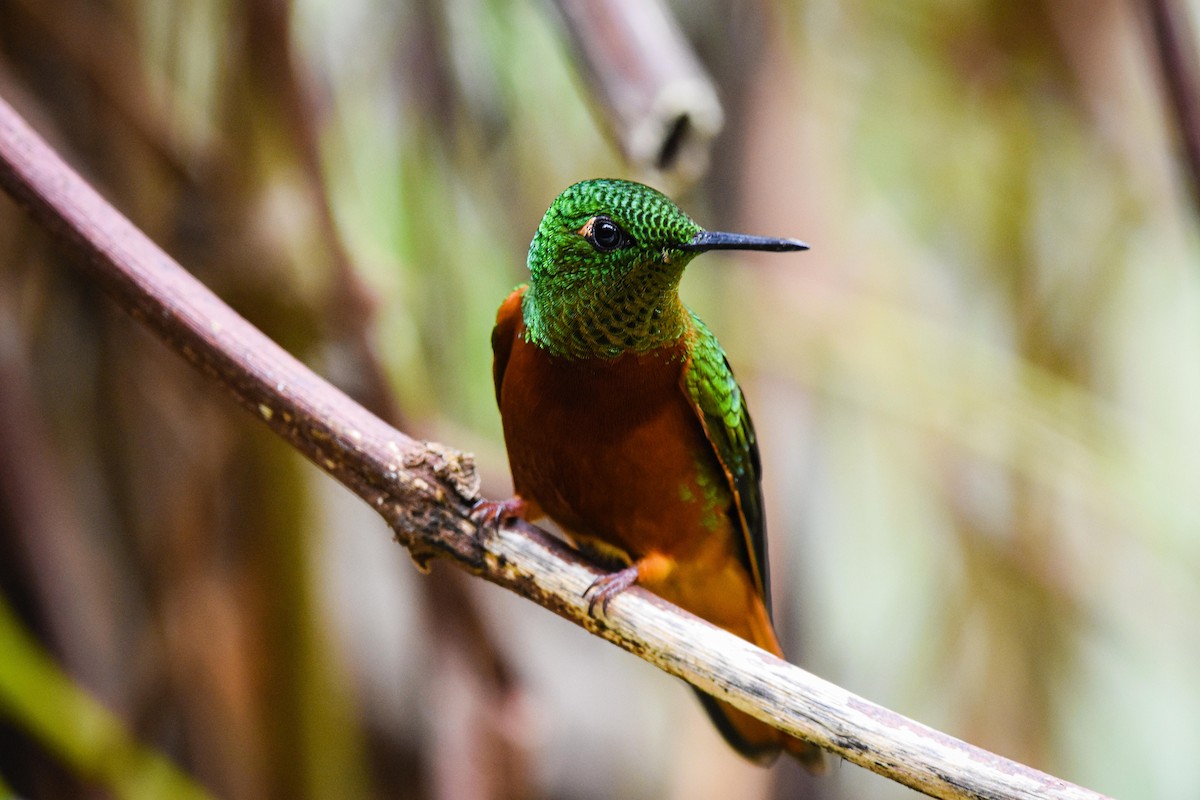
(606, 263)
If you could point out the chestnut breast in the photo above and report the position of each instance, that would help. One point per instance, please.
(611, 449)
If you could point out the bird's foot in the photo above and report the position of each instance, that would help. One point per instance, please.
(489, 515)
(606, 587)
(650, 571)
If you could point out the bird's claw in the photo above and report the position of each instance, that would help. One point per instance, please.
(606, 587)
(489, 515)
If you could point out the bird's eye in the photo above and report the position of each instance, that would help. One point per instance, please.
(604, 234)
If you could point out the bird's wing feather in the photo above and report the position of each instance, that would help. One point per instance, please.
(717, 400)
(508, 318)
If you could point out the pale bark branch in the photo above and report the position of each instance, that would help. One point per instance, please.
(424, 491)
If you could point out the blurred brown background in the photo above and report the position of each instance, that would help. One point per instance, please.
(977, 395)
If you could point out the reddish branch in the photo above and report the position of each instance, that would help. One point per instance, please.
(424, 491)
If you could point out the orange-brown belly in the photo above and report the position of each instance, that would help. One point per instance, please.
(612, 451)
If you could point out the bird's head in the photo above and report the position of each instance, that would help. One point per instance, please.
(606, 262)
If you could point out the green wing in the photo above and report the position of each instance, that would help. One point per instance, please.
(718, 403)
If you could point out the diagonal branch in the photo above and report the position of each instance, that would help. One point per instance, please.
(424, 491)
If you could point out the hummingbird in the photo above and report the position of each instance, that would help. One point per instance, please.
(625, 426)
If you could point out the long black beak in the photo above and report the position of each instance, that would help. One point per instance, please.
(715, 240)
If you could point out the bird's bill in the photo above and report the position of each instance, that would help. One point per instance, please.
(716, 240)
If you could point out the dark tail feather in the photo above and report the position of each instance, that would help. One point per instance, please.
(754, 739)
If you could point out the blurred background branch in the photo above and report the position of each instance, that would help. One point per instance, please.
(643, 79)
(1174, 36)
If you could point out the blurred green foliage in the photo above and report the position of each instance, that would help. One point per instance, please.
(36, 695)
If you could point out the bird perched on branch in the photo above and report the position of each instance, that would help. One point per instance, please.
(624, 424)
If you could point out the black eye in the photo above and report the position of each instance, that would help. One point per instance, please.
(605, 235)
